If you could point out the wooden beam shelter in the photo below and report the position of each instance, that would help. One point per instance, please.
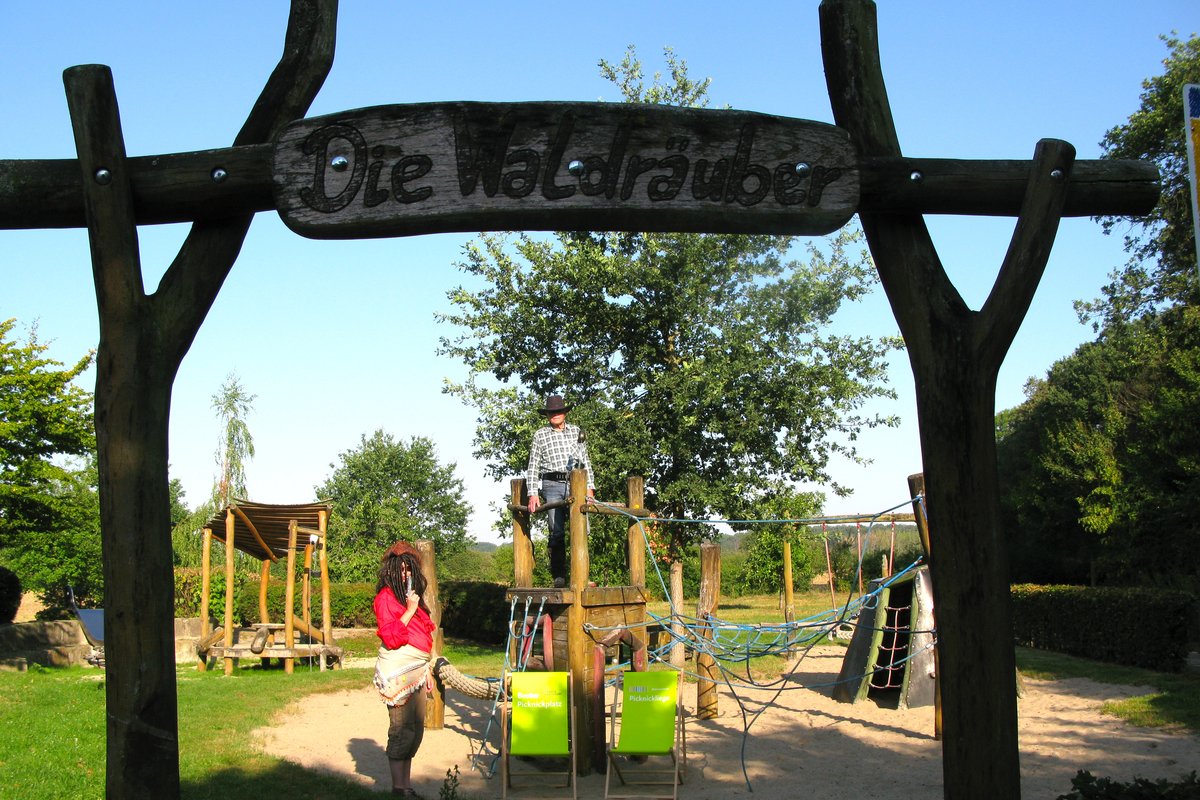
(269, 533)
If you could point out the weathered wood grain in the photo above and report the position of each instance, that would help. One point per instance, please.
(406, 169)
(179, 187)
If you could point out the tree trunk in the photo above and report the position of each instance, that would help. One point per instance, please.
(133, 398)
(955, 354)
(678, 654)
(143, 339)
(969, 573)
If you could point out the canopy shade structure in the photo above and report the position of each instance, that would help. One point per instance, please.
(269, 533)
(261, 529)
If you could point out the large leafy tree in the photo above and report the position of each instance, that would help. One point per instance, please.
(700, 361)
(385, 490)
(1098, 466)
(44, 417)
(1161, 271)
(50, 560)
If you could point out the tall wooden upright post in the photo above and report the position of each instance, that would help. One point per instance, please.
(435, 710)
(205, 588)
(289, 600)
(789, 597)
(710, 595)
(522, 536)
(323, 559)
(916, 490)
(635, 494)
(579, 642)
(229, 562)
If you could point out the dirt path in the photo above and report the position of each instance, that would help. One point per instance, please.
(803, 738)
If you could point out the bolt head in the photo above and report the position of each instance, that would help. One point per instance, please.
(103, 177)
(219, 175)
(339, 163)
(916, 176)
(575, 167)
(803, 169)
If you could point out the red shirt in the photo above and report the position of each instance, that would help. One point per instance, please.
(392, 631)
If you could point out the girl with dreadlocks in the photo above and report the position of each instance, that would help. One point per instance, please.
(402, 669)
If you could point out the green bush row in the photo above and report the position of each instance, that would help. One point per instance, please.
(1088, 787)
(1138, 627)
(474, 610)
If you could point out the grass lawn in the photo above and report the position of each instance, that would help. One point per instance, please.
(52, 720)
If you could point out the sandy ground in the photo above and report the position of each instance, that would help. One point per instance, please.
(803, 738)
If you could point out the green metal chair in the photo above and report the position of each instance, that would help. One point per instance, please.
(535, 722)
(650, 707)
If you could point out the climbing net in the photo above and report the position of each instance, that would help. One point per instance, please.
(733, 645)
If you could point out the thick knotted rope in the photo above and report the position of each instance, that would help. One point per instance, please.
(472, 687)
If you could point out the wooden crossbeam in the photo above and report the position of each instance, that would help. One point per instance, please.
(180, 187)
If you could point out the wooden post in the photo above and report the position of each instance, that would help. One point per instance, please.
(829, 566)
(205, 585)
(264, 574)
(577, 521)
(858, 539)
(522, 537)
(435, 709)
(264, 614)
(230, 522)
(323, 560)
(579, 642)
(916, 490)
(289, 600)
(710, 595)
(306, 583)
(635, 494)
(789, 599)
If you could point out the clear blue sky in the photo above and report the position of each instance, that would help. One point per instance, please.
(337, 339)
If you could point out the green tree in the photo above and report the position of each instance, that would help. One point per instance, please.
(233, 405)
(1161, 270)
(44, 419)
(701, 361)
(49, 561)
(1098, 463)
(384, 491)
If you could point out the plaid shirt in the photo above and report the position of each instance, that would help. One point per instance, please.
(556, 451)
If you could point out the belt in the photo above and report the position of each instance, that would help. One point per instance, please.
(554, 476)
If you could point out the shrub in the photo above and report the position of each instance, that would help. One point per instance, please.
(1133, 626)
(10, 595)
(1088, 787)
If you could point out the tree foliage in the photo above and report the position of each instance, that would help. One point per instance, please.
(386, 490)
(1161, 270)
(49, 511)
(233, 405)
(700, 361)
(1098, 466)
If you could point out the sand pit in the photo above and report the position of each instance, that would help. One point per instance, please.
(803, 744)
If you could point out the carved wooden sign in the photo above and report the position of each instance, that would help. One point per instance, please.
(423, 168)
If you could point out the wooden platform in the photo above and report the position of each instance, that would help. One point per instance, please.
(266, 641)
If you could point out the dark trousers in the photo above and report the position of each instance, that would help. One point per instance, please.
(556, 519)
(406, 727)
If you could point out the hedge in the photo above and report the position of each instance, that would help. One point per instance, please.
(1138, 627)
